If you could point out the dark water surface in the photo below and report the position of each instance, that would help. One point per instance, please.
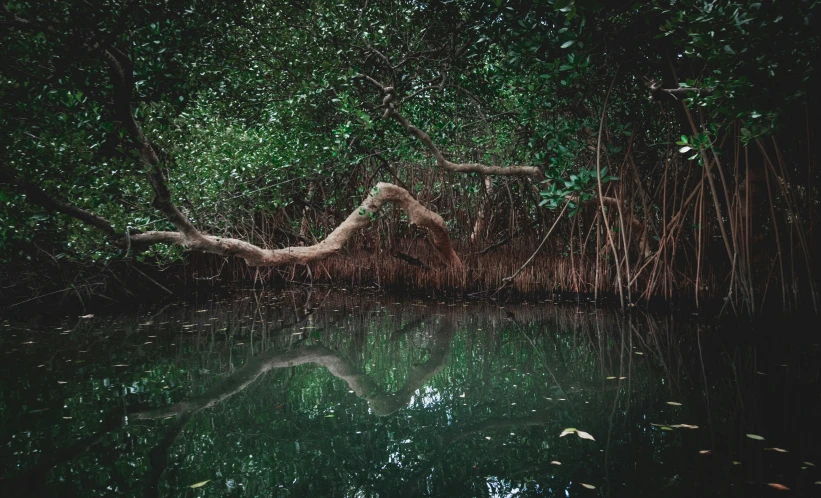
(335, 394)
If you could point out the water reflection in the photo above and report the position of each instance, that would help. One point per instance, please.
(330, 394)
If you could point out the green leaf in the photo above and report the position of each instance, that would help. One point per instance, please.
(568, 43)
(199, 484)
(755, 436)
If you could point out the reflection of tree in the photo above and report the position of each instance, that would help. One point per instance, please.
(381, 403)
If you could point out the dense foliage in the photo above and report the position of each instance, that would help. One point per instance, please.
(267, 132)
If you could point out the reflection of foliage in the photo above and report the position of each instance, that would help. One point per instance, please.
(488, 422)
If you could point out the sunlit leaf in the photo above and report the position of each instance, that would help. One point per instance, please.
(199, 484)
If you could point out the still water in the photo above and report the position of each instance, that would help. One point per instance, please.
(320, 393)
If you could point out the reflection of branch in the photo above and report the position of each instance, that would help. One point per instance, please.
(413, 483)
(381, 403)
(33, 478)
(158, 456)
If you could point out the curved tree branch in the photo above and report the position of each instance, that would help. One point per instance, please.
(381, 403)
(388, 94)
(256, 256)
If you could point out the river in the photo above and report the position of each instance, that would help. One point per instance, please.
(333, 393)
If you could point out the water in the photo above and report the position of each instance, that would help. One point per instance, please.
(335, 394)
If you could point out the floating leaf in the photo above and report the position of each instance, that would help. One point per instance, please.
(330, 415)
(199, 484)
(567, 431)
(780, 450)
(736, 462)
(705, 452)
(780, 487)
(755, 436)
(674, 403)
(588, 486)
(611, 378)
(622, 378)
(639, 352)
(487, 437)
(584, 435)
(810, 464)
(684, 426)
(556, 462)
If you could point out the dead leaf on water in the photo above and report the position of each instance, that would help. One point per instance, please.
(705, 452)
(755, 436)
(62, 382)
(778, 486)
(684, 426)
(674, 403)
(736, 462)
(639, 352)
(584, 435)
(87, 316)
(611, 378)
(567, 431)
(780, 450)
(588, 486)
(622, 378)
(810, 464)
(556, 462)
(199, 484)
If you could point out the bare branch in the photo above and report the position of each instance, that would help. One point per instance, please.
(388, 94)
(657, 93)
(382, 194)
(36, 195)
